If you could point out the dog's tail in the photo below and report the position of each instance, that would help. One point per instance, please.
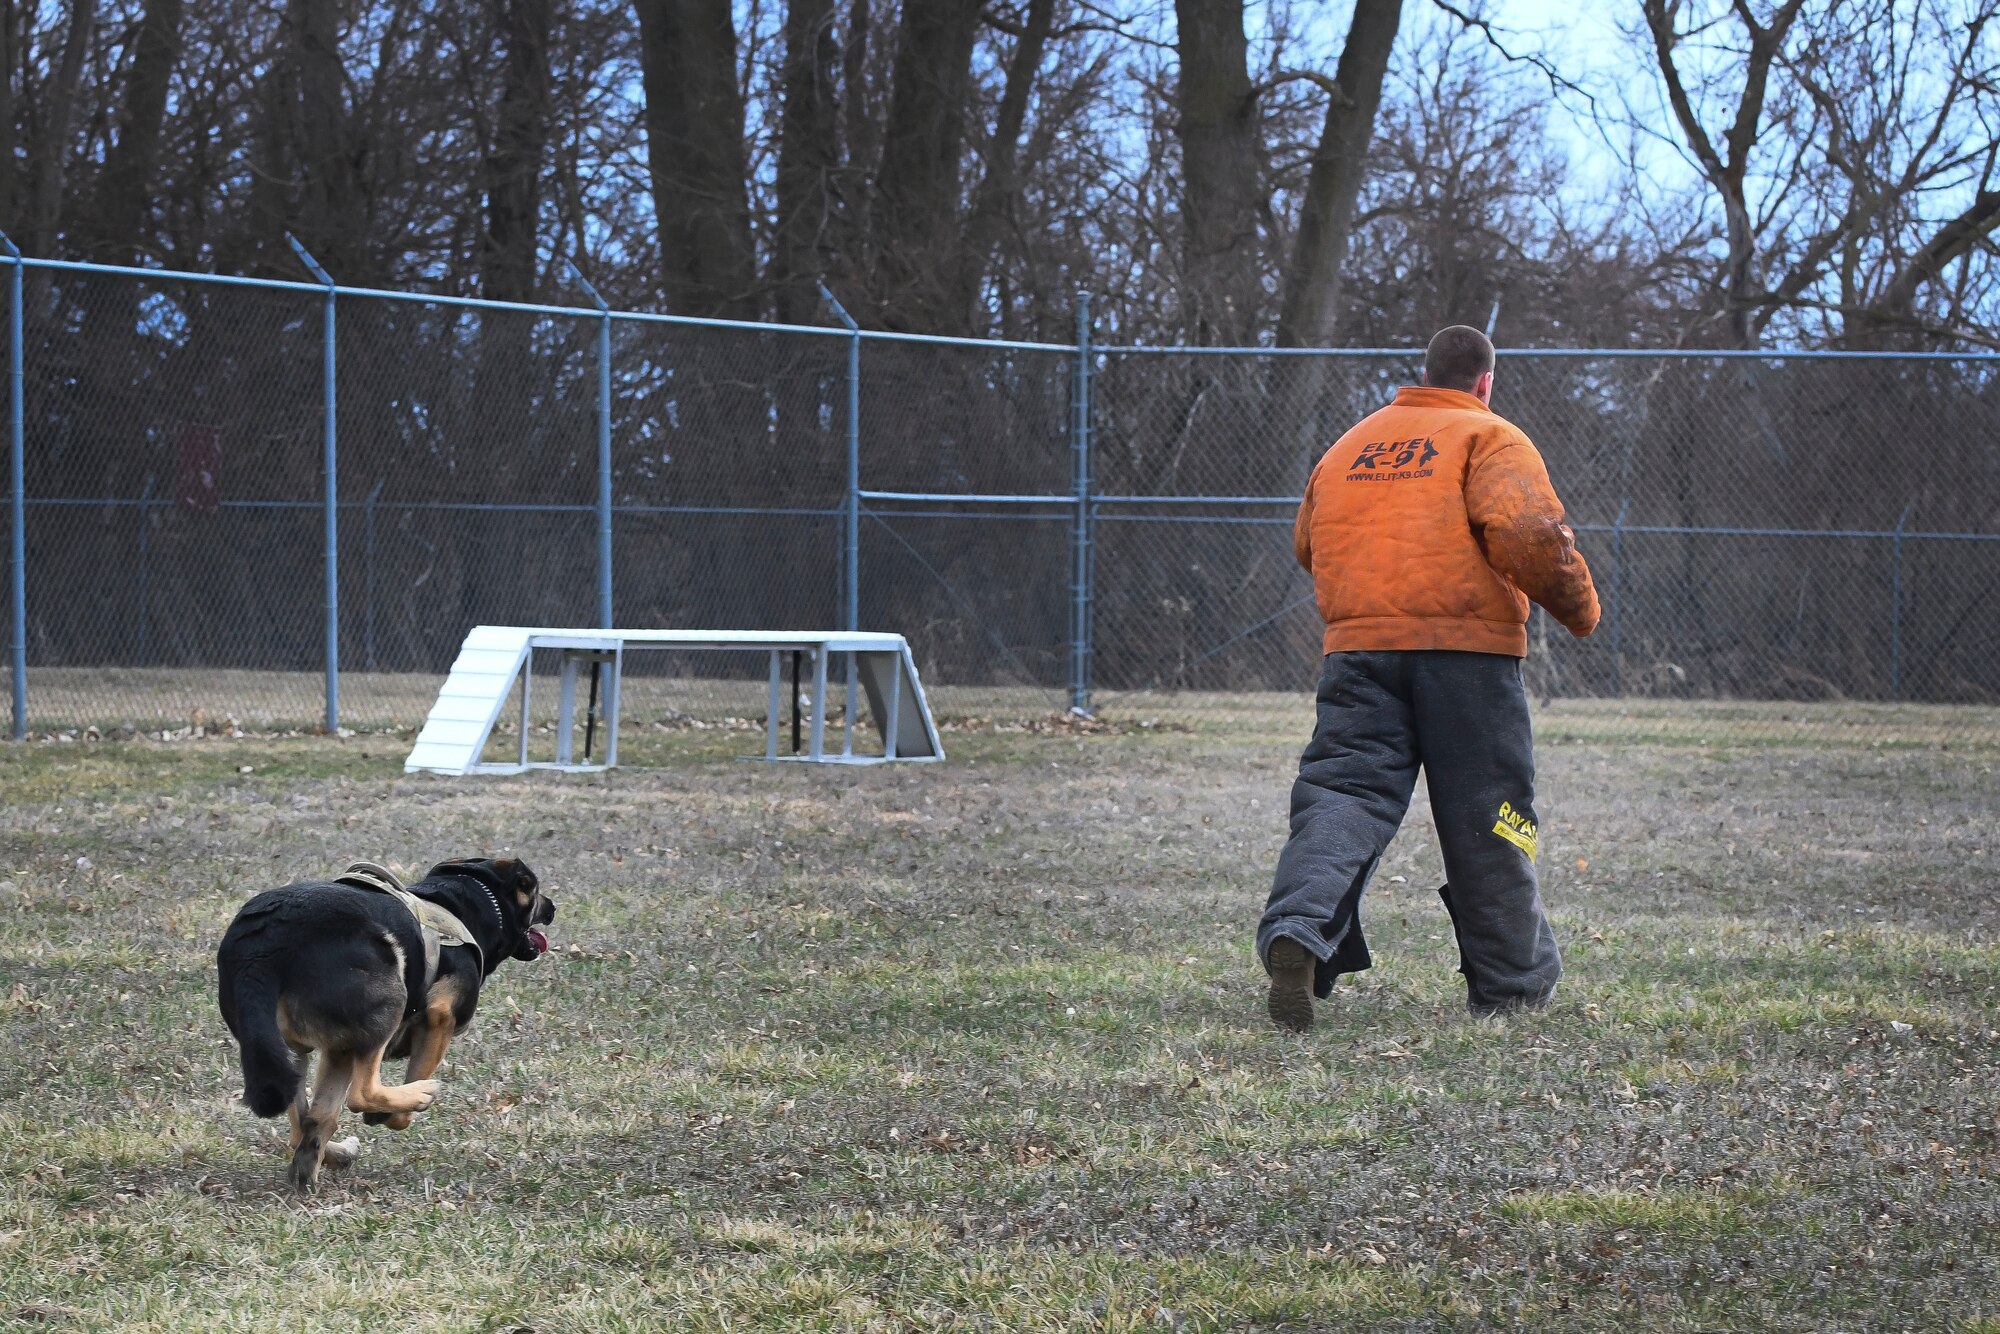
(271, 1074)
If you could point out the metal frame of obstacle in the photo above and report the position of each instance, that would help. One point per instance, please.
(493, 658)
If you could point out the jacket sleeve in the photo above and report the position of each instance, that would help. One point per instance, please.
(1302, 542)
(1519, 524)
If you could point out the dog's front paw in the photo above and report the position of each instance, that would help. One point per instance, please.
(425, 1091)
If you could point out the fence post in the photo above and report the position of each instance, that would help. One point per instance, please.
(603, 447)
(145, 533)
(368, 573)
(852, 568)
(332, 501)
(1896, 606)
(1618, 598)
(17, 484)
(1080, 559)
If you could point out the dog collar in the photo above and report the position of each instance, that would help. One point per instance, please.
(499, 917)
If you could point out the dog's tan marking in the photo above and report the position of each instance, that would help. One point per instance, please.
(370, 1094)
(301, 1038)
(301, 1102)
(287, 1030)
(320, 1119)
(427, 1053)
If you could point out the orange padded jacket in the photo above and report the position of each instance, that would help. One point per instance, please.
(1430, 525)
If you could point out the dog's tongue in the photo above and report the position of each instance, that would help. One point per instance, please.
(538, 940)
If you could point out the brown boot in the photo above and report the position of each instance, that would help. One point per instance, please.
(1291, 969)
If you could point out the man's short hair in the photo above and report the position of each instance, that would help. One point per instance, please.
(1457, 357)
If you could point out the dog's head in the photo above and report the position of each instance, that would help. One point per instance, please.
(517, 893)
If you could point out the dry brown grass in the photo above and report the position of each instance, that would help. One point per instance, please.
(151, 700)
(980, 1045)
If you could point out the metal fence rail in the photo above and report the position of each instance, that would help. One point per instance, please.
(284, 503)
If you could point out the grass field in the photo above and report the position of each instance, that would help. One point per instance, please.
(117, 701)
(981, 1046)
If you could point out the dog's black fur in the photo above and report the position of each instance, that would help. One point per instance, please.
(319, 966)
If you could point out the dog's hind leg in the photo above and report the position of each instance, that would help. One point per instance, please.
(335, 1153)
(301, 1101)
(319, 1120)
(370, 1094)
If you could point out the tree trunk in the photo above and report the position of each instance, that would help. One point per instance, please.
(10, 65)
(1217, 128)
(45, 205)
(1000, 185)
(513, 167)
(327, 215)
(808, 160)
(1312, 286)
(859, 126)
(917, 193)
(125, 188)
(858, 130)
(694, 144)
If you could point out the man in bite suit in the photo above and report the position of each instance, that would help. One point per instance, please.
(1428, 528)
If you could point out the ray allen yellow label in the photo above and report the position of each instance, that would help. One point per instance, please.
(1516, 828)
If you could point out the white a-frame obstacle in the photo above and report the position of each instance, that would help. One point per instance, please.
(494, 657)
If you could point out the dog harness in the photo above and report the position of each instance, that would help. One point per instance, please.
(437, 924)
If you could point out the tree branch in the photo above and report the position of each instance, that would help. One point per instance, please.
(1555, 77)
(1326, 83)
(1659, 21)
(1952, 240)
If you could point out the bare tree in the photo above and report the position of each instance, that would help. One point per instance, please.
(10, 70)
(1909, 105)
(1203, 167)
(514, 165)
(124, 186)
(803, 245)
(916, 218)
(1000, 186)
(45, 200)
(1312, 286)
(1727, 168)
(1856, 167)
(1217, 128)
(694, 141)
(329, 207)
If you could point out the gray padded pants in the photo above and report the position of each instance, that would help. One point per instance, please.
(1464, 718)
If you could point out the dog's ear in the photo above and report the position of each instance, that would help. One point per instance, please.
(515, 873)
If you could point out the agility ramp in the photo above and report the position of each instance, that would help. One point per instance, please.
(494, 657)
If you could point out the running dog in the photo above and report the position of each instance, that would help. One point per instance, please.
(362, 969)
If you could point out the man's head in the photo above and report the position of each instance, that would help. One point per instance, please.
(1460, 357)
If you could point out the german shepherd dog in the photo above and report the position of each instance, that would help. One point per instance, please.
(361, 969)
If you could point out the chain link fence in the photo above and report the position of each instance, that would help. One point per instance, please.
(1783, 544)
(1788, 546)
